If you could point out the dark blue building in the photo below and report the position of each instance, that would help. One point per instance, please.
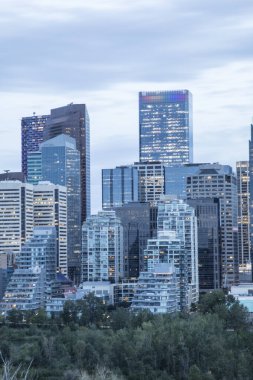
(165, 119)
(32, 128)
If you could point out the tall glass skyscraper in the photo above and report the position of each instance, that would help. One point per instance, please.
(61, 166)
(119, 186)
(165, 119)
(73, 120)
(32, 129)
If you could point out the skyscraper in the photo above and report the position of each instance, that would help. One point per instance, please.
(219, 181)
(119, 186)
(61, 166)
(73, 120)
(165, 122)
(32, 128)
(16, 210)
(242, 174)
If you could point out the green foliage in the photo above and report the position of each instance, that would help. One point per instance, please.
(91, 342)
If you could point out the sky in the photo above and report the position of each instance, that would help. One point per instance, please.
(103, 52)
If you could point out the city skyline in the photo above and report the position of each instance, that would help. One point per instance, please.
(91, 63)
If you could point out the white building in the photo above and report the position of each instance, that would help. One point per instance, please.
(50, 210)
(156, 291)
(25, 290)
(16, 215)
(102, 248)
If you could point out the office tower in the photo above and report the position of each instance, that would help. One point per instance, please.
(61, 166)
(7, 265)
(102, 248)
(242, 174)
(151, 181)
(209, 249)
(175, 179)
(26, 290)
(251, 191)
(156, 291)
(40, 251)
(32, 128)
(177, 216)
(16, 215)
(73, 120)
(135, 219)
(50, 210)
(218, 181)
(34, 169)
(165, 119)
(119, 186)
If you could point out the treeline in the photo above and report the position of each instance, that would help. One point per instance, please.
(92, 341)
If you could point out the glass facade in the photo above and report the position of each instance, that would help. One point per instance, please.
(61, 166)
(73, 120)
(242, 174)
(219, 181)
(119, 186)
(175, 178)
(32, 128)
(34, 173)
(209, 249)
(165, 122)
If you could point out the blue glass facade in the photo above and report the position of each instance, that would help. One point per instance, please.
(32, 128)
(34, 170)
(165, 122)
(73, 120)
(175, 178)
(119, 186)
(61, 166)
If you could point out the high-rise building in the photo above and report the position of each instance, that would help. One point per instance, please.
(135, 218)
(102, 248)
(156, 291)
(16, 215)
(242, 174)
(34, 167)
(61, 166)
(40, 250)
(119, 186)
(177, 216)
(151, 181)
(50, 210)
(165, 119)
(218, 181)
(175, 178)
(26, 290)
(73, 120)
(32, 128)
(209, 249)
(251, 192)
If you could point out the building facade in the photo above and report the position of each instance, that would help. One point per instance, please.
(50, 210)
(73, 120)
(218, 181)
(165, 122)
(209, 247)
(32, 128)
(151, 181)
(135, 218)
(156, 291)
(102, 248)
(16, 215)
(242, 175)
(119, 186)
(34, 167)
(61, 166)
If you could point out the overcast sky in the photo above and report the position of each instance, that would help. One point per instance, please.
(103, 52)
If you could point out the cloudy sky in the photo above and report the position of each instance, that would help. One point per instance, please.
(102, 52)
